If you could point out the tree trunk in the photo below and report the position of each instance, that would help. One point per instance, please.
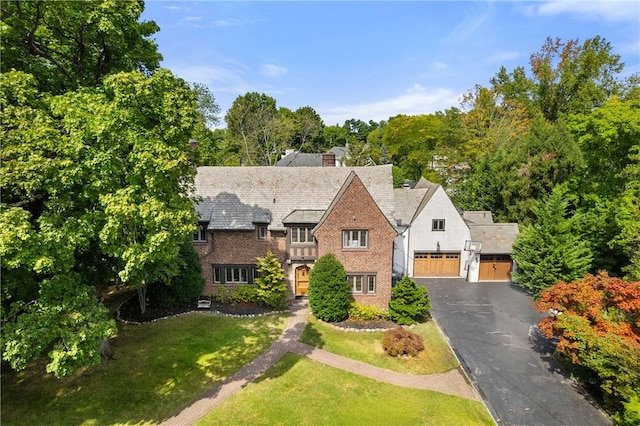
(142, 298)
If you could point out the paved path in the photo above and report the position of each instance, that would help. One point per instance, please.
(452, 382)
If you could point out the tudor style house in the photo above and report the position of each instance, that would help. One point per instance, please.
(299, 214)
(376, 231)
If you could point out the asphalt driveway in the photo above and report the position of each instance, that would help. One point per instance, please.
(492, 328)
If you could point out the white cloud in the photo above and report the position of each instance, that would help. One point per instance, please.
(192, 18)
(273, 71)
(503, 56)
(219, 79)
(608, 10)
(415, 101)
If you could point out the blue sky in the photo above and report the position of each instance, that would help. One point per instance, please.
(372, 60)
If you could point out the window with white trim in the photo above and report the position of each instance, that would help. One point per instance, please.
(355, 238)
(234, 274)
(362, 283)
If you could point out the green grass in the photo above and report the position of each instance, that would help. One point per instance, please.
(367, 347)
(158, 368)
(299, 391)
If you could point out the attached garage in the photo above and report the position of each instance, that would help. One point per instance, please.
(436, 264)
(495, 267)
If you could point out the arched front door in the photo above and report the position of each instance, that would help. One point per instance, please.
(302, 280)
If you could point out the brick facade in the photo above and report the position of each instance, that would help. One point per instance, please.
(356, 210)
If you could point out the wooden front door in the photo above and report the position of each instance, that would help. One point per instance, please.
(495, 267)
(302, 280)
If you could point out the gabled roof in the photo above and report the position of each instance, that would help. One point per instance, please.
(339, 151)
(496, 238)
(304, 216)
(238, 197)
(300, 159)
(477, 217)
(410, 202)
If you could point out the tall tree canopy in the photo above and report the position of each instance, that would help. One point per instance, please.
(96, 172)
(567, 77)
(95, 188)
(71, 44)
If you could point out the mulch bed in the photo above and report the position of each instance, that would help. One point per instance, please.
(130, 310)
(365, 325)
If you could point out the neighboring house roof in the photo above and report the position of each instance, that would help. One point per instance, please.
(239, 197)
(340, 151)
(477, 217)
(300, 159)
(496, 238)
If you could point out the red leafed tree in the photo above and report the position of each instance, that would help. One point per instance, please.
(597, 323)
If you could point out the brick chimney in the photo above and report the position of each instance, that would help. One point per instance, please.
(328, 159)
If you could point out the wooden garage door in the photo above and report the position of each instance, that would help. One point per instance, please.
(495, 267)
(436, 264)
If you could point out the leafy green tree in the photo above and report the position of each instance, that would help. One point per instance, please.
(329, 290)
(628, 216)
(309, 127)
(272, 288)
(67, 45)
(567, 77)
(412, 141)
(183, 289)
(550, 250)
(334, 136)
(96, 188)
(250, 123)
(409, 302)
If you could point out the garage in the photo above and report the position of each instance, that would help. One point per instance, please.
(495, 267)
(436, 264)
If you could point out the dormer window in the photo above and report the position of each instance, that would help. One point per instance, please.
(262, 232)
(200, 235)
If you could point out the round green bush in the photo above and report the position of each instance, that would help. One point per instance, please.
(398, 342)
(329, 290)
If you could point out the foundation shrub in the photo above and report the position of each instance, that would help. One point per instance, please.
(409, 303)
(361, 312)
(329, 290)
(399, 342)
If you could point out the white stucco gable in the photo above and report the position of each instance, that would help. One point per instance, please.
(436, 229)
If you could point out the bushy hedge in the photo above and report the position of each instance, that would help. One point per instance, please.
(241, 293)
(409, 303)
(185, 288)
(361, 312)
(329, 290)
(398, 342)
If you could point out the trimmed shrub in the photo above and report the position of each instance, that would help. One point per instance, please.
(361, 312)
(245, 293)
(185, 288)
(398, 342)
(329, 290)
(272, 288)
(409, 303)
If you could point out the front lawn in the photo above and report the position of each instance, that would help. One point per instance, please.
(299, 391)
(158, 368)
(367, 347)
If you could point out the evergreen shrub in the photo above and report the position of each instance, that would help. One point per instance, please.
(272, 288)
(409, 302)
(329, 290)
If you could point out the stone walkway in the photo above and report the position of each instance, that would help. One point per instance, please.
(452, 382)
